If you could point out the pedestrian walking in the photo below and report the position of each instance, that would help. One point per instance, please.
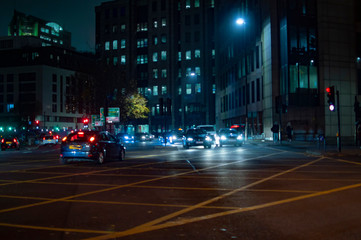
(289, 131)
(275, 129)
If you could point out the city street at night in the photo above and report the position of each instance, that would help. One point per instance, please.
(260, 190)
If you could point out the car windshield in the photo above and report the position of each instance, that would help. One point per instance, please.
(208, 129)
(80, 136)
(196, 131)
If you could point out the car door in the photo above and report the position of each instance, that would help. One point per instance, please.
(104, 142)
(113, 146)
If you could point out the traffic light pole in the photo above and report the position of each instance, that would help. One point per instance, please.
(338, 124)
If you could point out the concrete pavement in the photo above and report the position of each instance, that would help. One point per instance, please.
(314, 148)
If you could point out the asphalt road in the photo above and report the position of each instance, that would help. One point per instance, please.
(256, 191)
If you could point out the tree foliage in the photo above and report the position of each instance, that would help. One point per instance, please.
(136, 106)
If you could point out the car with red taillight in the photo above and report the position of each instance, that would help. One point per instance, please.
(10, 143)
(49, 140)
(98, 146)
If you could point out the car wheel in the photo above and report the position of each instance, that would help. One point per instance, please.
(101, 158)
(121, 155)
(63, 160)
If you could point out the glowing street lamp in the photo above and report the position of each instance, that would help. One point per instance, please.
(240, 21)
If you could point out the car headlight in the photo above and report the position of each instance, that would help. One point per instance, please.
(189, 139)
(208, 138)
(126, 137)
(223, 138)
(240, 137)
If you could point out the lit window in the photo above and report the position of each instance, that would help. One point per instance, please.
(188, 3)
(180, 91)
(164, 73)
(188, 55)
(188, 71)
(155, 73)
(197, 53)
(155, 23)
(115, 44)
(214, 88)
(122, 43)
(122, 28)
(213, 53)
(107, 46)
(115, 61)
(164, 55)
(164, 22)
(179, 56)
(155, 57)
(142, 59)
(198, 71)
(155, 90)
(188, 88)
(123, 60)
(164, 39)
(196, 3)
(164, 90)
(198, 87)
(155, 41)
(148, 92)
(10, 107)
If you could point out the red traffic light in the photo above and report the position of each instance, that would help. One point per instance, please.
(37, 121)
(85, 120)
(330, 91)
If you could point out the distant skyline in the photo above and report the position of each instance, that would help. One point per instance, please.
(75, 16)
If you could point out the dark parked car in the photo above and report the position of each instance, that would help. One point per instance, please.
(10, 143)
(197, 137)
(91, 145)
(229, 136)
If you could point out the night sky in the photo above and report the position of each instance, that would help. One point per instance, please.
(75, 16)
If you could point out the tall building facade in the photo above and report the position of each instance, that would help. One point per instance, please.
(167, 49)
(50, 33)
(295, 49)
(44, 83)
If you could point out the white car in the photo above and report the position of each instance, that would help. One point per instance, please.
(49, 140)
(210, 129)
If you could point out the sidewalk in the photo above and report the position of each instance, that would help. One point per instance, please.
(311, 147)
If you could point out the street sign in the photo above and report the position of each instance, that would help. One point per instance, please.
(113, 114)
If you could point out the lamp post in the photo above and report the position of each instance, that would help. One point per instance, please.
(242, 22)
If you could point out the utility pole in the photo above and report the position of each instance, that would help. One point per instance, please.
(338, 124)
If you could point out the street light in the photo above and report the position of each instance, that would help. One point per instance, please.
(241, 22)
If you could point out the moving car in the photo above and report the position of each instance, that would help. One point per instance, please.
(172, 137)
(10, 143)
(229, 136)
(208, 128)
(91, 145)
(49, 140)
(142, 137)
(197, 137)
(125, 138)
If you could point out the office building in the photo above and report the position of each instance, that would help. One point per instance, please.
(167, 47)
